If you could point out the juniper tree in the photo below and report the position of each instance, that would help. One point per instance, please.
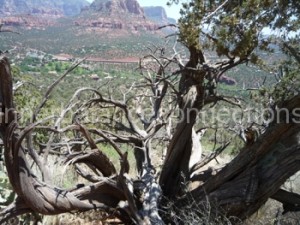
(233, 32)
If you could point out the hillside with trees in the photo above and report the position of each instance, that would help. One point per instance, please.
(133, 151)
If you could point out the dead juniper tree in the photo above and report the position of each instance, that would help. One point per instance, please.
(144, 115)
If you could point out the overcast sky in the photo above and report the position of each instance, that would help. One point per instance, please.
(172, 11)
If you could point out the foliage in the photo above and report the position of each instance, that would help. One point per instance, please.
(6, 193)
(162, 109)
(65, 38)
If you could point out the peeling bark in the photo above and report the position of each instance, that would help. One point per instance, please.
(176, 164)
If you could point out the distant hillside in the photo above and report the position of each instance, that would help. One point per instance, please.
(74, 7)
(105, 28)
(119, 16)
(158, 14)
(42, 7)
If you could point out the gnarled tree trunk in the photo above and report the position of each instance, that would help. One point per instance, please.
(106, 193)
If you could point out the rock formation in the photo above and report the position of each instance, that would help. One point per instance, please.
(37, 13)
(127, 15)
(27, 21)
(158, 14)
(56, 8)
(112, 7)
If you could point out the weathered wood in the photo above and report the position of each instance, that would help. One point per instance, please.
(35, 195)
(6, 98)
(106, 193)
(176, 164)
(258, 172)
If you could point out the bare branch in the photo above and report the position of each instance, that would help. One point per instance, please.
(208, 17)
(290, 201)
(293, 51)
(51, 88)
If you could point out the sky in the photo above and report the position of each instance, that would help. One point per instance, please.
(172, 11)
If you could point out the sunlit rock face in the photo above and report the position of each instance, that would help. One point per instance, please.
(125, 15)
(117, 7)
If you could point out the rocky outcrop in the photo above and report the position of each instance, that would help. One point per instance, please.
(117, 24)
(117, 6)
(125, 15)
(158, 14)
(27, 21)
(134, 7)
(51, 8)
(115, 14)
(37, 13)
